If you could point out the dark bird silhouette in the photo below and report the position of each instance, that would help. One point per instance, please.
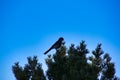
(56, 45)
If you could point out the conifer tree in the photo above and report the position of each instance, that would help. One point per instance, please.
(31, 71)
(74, 63)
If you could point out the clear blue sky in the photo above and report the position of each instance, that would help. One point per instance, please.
(29, 27)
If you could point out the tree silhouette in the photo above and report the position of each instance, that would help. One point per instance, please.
(31, 71)
(74, 63)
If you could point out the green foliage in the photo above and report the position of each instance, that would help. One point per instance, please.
(74, 63)
(31, 71)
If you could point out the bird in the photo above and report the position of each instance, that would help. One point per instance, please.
(56, 45)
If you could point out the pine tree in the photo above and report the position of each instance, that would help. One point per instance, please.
(31, 71)
(56, 64)
(74, 63)
(102, 67)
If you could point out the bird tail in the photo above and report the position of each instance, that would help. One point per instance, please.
(47, 51)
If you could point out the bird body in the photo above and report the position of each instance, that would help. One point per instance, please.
(56, 45)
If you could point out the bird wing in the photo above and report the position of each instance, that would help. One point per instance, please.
(54, 46)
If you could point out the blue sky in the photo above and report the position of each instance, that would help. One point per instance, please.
(29, 27)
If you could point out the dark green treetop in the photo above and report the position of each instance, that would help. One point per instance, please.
(74, 63)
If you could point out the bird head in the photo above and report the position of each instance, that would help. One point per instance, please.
(61, 38)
